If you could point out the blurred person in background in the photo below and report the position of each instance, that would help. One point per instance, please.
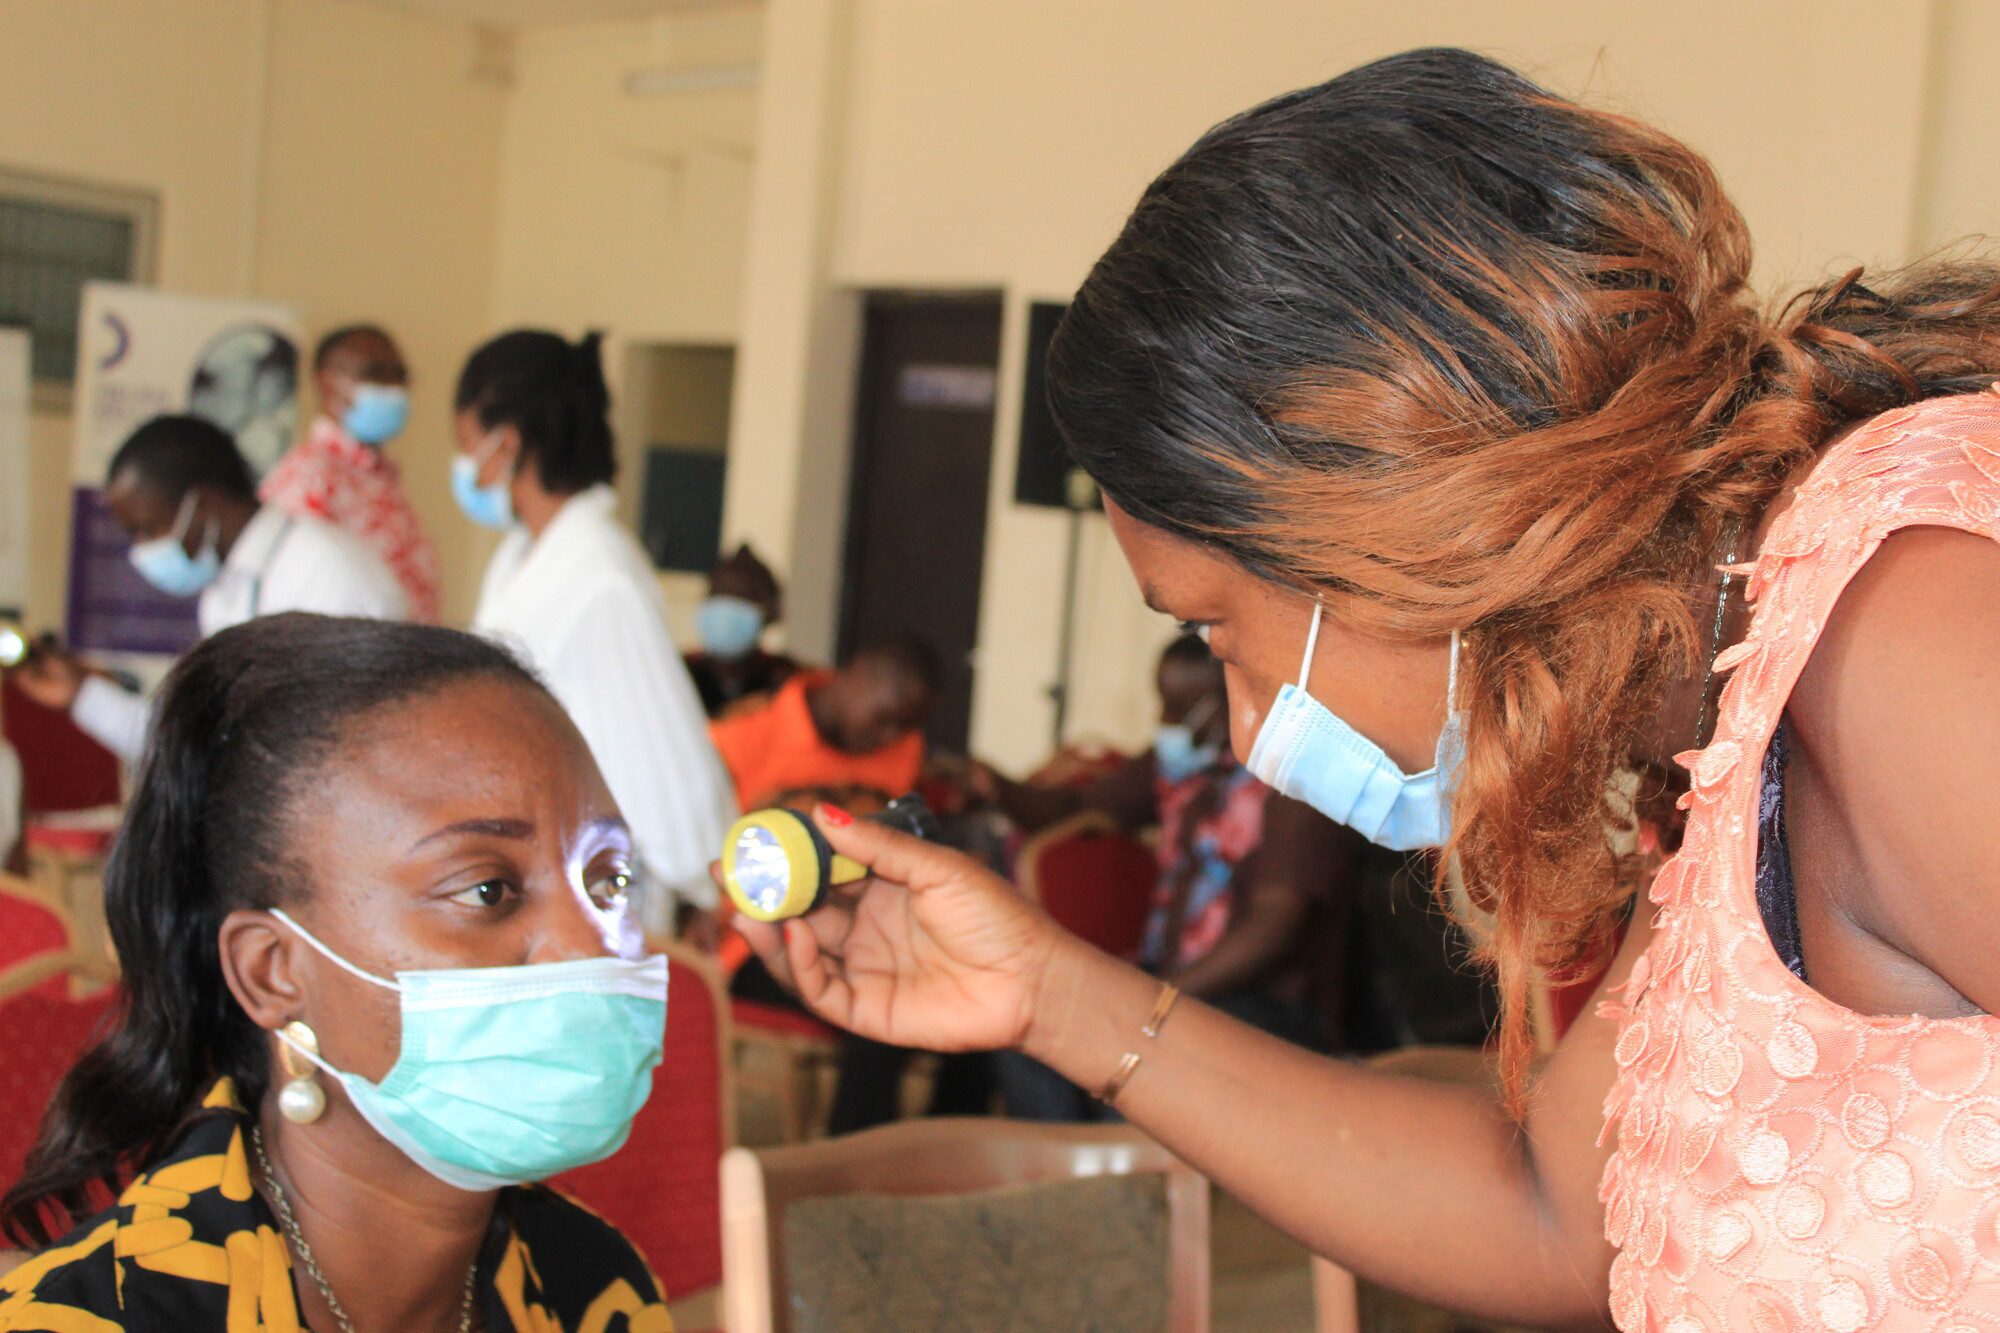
(571, 589)
(732, 666)
(858, 727)
(1244, 873)
(181, 491)
(340, 472)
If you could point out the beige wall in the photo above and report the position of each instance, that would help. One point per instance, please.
(627, 212)
(331, 155)
(1001, 145)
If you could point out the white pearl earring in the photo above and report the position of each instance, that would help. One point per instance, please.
(301, 1100)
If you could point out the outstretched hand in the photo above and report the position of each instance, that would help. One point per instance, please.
(932, 950)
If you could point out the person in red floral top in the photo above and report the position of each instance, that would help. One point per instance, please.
(339, 472)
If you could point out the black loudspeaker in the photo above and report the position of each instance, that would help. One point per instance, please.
(680, 510)
(1041, 470)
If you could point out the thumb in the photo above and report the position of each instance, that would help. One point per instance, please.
(888, 853)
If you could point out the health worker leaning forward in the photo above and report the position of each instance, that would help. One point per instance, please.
(1441, 406)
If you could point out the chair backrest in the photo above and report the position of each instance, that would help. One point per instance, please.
(661, 1189)
(954, 1223)
(61, 767)
(1095, 879)
(41, 1036)
(29, 926)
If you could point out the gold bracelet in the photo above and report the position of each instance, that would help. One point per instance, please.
(1170, 996)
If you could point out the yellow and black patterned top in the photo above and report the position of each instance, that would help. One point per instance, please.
(190, 1247)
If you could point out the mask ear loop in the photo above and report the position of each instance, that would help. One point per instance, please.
(489, 447)
(1451, 677)
(331, 956)
(184, 516)
(1198, 716)
(1312, 643)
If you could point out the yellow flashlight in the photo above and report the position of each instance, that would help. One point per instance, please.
(777, 864)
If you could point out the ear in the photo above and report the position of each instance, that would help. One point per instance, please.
(332, 391)
(258, 965)
(507, 459)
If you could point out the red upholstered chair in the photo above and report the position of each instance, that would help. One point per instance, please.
(41, 1035)
(63, 772)
(1094, 879)
(1078, 764)
(663, 1188)
(34, 945)
(61, 768)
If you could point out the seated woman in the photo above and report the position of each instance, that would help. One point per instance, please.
(379, 978)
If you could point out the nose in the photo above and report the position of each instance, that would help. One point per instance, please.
(575, 928)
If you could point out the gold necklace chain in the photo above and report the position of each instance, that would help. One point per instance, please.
(297, 1239)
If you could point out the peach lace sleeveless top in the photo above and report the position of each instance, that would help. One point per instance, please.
(1782, 1162)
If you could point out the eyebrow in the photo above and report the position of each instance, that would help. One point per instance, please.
(608, 824)
(515, 830)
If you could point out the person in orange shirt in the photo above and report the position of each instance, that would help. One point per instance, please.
(858, 727)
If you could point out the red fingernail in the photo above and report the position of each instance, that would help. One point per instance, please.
(833, 814)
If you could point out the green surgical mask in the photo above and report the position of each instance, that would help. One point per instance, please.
(512, 1074)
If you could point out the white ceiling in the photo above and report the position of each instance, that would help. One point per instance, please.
(518, 13)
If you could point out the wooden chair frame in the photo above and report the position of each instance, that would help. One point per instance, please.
(943, 1156)
(801, 1063)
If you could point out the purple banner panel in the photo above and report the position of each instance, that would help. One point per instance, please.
(112, 609)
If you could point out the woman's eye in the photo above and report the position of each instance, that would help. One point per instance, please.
(611, 890)
(488, 893)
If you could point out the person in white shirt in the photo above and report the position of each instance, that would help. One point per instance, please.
(10, 802)
(570, 590)
(180, 489)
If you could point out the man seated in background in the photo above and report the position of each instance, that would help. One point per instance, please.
(859, 726)
(731, 666)
(1242, 873)
(184, 496)
(339, 472)
(852, 737)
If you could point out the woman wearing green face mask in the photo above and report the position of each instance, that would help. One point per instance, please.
(373, 989)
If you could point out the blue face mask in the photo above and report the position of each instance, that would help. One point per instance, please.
(165, 563)
(729, 626)
(488, 506)
(1303, 751)
(512, 1074)
(1175, 753)
(377, 413)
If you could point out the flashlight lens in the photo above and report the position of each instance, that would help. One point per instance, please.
(13, 646)
(760, 870)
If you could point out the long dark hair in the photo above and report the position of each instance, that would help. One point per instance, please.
(553, 392)
(241, 727)
(1455, 353)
